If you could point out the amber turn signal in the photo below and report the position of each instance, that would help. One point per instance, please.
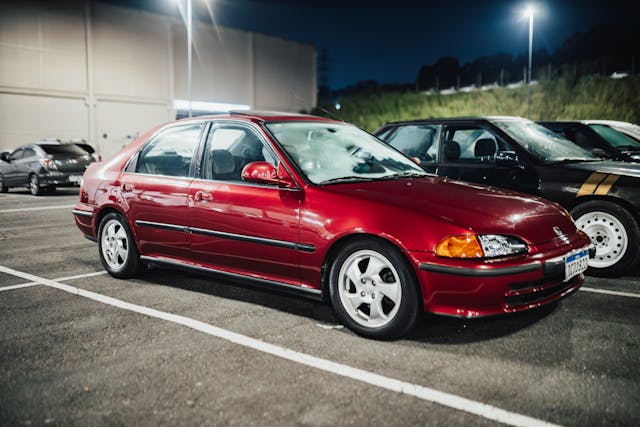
(461, 246)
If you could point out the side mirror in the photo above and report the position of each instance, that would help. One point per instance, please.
(509, 159)
(5, 157)
(265, 173)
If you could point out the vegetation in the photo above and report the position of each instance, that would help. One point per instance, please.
(563, 97)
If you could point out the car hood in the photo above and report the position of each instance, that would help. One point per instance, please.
(476, 207)
(607, 166)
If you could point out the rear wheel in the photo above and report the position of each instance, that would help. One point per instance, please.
(614, 232)
(34, 186)
(117, 248)
(373, 291)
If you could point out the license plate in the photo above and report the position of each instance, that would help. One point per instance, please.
(75, 178)
(575, 264)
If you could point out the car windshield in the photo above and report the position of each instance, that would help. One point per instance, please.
(336, 152)
(63, 149)
(542, 143)
(616, 138)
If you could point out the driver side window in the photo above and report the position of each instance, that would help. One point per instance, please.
(230, 148)
(16, 154)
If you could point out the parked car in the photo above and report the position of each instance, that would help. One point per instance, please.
(515, 153)
(318, 207)
(42, 167)
(601, 138)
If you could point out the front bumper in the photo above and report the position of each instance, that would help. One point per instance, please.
(475, 288)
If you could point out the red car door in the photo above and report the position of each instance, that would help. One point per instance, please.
(155, 191)
(238, 227)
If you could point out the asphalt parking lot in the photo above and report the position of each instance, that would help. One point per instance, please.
(78, 347)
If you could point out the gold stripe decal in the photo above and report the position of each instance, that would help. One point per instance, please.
(591, 184)
(605, 186)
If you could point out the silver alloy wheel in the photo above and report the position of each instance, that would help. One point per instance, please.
(115, 244)
(608, 234)
(369, 288)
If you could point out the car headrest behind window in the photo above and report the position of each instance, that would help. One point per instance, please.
(485, 147)
(223, 162)
(451, 151)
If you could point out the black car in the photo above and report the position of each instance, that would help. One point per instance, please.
(603, 196)
(43, 167)
(600, 138)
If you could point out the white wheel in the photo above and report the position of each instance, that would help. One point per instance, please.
(369, 288)
(609, 236)
(115, 245)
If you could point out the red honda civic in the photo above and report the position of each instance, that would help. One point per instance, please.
(321, 208)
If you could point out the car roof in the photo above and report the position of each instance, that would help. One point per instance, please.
(460, 119)
(258, 116)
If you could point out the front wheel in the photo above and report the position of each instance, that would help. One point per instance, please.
(117, 249)
(373, 291)
(3, 185)
(615, 234)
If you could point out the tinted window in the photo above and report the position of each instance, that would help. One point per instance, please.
(63, 149)
(416, 141)
(230, 148)
(472, 144)
(615, 138)
(171, 152)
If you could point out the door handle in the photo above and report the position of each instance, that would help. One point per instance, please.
(203, 196)
(127, 187)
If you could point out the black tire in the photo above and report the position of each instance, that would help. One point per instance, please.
(34, 186)
(51, 189)
(130, 267)
(400, 320)
(614, 256)
(3, 187)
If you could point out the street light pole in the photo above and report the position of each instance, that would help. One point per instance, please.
(530, 13)
(189, 49)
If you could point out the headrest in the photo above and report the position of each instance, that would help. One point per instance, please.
(485, 147)
(451, 150)
(223, 162)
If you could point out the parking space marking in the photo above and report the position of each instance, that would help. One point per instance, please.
(428, 394)
(60, 279)
(39, 208)
(608, 292)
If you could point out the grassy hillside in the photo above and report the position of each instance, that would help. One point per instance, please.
(563, 98)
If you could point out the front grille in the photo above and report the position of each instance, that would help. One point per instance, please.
(526, 293)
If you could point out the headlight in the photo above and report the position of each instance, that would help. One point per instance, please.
(495, 245)
(480, 246)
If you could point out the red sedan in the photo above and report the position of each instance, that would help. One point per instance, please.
(318, 207)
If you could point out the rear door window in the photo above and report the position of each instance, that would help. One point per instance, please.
(471, 145)
(171, 152)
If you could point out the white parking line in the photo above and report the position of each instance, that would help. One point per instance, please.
(39, 208)
(428, 394)
(608, 292)
(60, 279)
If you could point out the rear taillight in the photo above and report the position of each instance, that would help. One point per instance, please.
(49, 164)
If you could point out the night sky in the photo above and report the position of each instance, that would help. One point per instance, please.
(389, 41)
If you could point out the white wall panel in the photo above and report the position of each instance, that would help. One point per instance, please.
(26, 118)
(121, 122)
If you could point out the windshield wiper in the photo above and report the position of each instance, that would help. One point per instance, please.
(405, 175)
(345, 179)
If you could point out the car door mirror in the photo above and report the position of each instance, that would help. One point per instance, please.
(600, 153)
(508, 159)
(266, 173)
(5, 157)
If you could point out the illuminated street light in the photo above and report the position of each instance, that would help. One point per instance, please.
(528, 13)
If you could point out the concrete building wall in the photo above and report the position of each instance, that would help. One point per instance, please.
(85, 69)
